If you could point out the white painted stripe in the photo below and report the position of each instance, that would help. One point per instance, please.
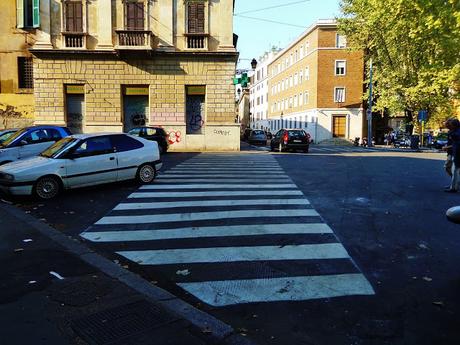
(182, 174)
(234, 254)
(208, 203)
(187, 217)
(211, 231)
(218, 186)
(223, 180)
(230, 292)
(213, 167)
(214, 193)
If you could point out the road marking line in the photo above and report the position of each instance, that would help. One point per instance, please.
(211, 231)
(246, 179)
(188, 217)
(218, 186)
(181, 174)
(207, 203)
(213, 193)
(237, 254)
(230, 292)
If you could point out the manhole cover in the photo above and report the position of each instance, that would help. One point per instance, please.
(120, 323)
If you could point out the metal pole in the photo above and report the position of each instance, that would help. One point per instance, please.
(369, 109)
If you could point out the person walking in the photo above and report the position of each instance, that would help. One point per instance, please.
(454, 150)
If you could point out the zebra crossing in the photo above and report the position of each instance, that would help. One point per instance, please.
(239, 228)
(341, 149)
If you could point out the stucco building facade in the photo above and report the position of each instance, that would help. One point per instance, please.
(16, 66)
(317, 84)
(110, 65)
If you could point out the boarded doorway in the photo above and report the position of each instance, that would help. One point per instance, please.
(75, 105)
(339, 126)
(135, 106)
(195, 109)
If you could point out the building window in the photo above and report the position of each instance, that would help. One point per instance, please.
(300, 99)
(73, 16)
(195, 17)
(25, 73)
(300, 77)
(295, 101)
(306, 97)
(340, 67)
(296, 79)
(27, 13)
(134, 15)
(290, 81)
(340, 41)
(307, 73)
(339, 94)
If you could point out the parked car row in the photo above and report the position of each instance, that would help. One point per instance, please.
(44, 160)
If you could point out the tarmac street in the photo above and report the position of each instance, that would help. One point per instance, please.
(339, 246)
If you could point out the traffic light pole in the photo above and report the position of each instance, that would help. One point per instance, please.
(369, 109)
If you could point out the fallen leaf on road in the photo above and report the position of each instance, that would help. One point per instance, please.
(423, 246)
(57, 275)
(427, 279)
(439, 303)
(19, 249)
(206, 330)
(27, 240)
(32, 281)
(125, 266)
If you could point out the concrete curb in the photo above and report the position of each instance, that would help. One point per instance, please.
(218, 330)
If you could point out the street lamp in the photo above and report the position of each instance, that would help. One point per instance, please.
(253, 64)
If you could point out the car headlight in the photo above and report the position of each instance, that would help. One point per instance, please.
(6, 177)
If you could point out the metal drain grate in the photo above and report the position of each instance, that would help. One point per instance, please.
(120, 323)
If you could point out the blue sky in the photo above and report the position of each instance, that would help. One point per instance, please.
(256, 37)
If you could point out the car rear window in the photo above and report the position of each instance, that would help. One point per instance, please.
(151, 131)
(257, 132)
(135, 131)
(124, 143)
(297, 134)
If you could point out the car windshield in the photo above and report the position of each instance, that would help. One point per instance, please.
(13, 137)
(135, 131)
(5, 136)
(58, 147)
(257, 133)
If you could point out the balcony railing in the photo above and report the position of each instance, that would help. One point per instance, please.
(197, 41)
(74, 39)
(134, 39)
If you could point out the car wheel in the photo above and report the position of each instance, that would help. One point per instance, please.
(47, 187)
(146, 173)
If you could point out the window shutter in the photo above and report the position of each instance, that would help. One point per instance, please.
(69, 17)
(78, 15)
(139, 16)
(129, 15)
(200, 18)
(192, 16)
(36, 13)
(19, 13)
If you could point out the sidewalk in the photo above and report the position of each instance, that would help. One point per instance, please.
(53, 291)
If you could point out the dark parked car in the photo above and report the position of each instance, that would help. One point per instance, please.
(257, 136)
(157, 134)
(290, 139)
(6, 133)
(440, 140)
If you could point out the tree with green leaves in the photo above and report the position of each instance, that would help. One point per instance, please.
(415, 48)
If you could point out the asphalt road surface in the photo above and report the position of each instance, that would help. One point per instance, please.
(331, 247)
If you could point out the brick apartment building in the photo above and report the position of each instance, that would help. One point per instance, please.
(109, 65)
(317, 84)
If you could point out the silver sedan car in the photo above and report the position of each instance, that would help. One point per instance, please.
(82, 160)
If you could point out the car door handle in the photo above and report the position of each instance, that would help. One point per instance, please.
(112, 158)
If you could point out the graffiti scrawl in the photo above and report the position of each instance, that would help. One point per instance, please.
(174, 137)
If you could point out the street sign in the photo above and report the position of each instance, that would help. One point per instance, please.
(422, 115)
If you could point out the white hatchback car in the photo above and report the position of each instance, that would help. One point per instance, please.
(82, 160)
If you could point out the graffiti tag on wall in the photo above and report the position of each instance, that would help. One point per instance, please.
(174, 137)
(221, 132)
